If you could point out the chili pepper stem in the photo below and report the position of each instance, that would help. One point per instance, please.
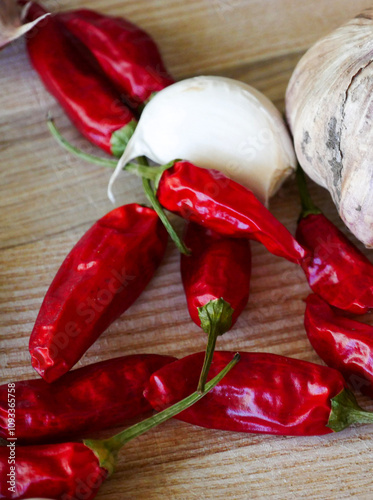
(216, 319)
(121, 137)
(152, 173)
(211, 343)
(308, 206)
(106, 450)
(74, 150)
(346, 411)
(158, 208)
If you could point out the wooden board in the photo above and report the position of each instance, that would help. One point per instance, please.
(48, 199)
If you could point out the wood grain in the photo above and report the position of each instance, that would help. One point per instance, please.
(48, 199)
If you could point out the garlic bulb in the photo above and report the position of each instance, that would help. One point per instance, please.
(217, 123)
(329, 106)
(11, 16)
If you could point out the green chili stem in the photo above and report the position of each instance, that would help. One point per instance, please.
(144, 171)
(106, 450)
(361, 416)
(346, 411)
(106, 162)
(216, 319)
(141, 170)
(158, 208)
(209, 354)
(308, 206)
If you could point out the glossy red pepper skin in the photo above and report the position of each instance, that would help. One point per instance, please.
(126, 53)
(218, 267)
(83, 401)
(264, 393)
(342, 343)
(212, 200)
(73, 77)
(67, 471)
(101, 277)
(335, 269)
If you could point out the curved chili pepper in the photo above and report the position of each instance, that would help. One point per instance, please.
(101, 277)
(87, 400)
(73, 77)
(72, 471)
(335, 268)
(342, 343)
(216, 279)
(126, 53)
(212, 200)
(264, 393)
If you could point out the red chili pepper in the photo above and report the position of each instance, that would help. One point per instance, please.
(126, 53)
(102, 276)
(264, 393)
(73, 471)
(216, 279)
(87, 400)
(342, 343)
(67, 471)
(71, 74)
(212, 200)
(335, 269)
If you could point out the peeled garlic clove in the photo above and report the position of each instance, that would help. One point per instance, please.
(11, 16)
(217, 123)
(329, 106)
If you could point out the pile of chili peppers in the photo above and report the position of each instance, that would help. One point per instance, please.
(118, 66)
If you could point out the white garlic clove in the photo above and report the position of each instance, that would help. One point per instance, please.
(11, 16)
(218, 123)
(329, 106)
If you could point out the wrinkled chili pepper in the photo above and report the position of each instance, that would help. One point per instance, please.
(335, 268)
(72, 75)
(71, 471)
(101, 277)
(216, 279)
(342, 343)
(126, 53)
(264, 393)
(84, 401)
(212, 200)
(65, 471)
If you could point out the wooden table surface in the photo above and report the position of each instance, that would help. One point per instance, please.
(48, 199)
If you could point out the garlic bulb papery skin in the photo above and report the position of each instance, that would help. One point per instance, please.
(329, 107)
(11, 16)
(218, 123)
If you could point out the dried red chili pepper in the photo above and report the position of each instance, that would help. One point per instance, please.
(65, 471)
(335, 269)
(70, 471)
(216, 279)
(208, 198)
(126, 53)
(265, 393)
(72, 75)
(342, 343)
(101, 277)
(87, 400)
(212, 200)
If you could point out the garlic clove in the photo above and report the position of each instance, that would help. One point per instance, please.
(217, 123)
(329, 106)
(11, 16)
